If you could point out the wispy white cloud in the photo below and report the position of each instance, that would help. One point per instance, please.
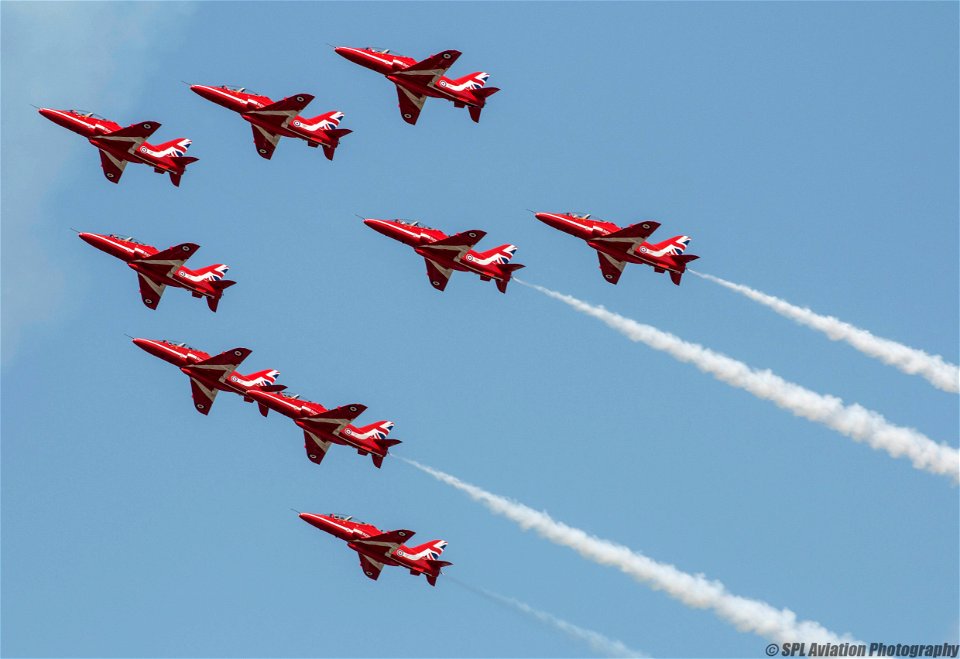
(95, 55)
(693, 590)
(939, 372)
(854, 421)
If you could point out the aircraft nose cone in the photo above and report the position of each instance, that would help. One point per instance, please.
(314, 520)
(542, 217)
(144, 344)
(89, 238)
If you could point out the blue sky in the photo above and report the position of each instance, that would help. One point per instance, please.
(809, 149)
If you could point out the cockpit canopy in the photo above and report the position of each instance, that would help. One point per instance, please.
(287, 394)
(382, 51)
(235, 88)
(346, 518)
(177, 345)
(126, 239)
(584, 216)
(88, 115)
(413, 223)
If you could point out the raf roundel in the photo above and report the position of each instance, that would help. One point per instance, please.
(147, 126)
(300, 99)
(296, 123)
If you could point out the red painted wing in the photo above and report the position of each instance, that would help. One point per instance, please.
(610, 267)
(391, 539)
(410, 105)
(428, 71)
(370, 567)
(218, 367)
(203, 396)
(333, 421)
(168, 261)
(281, 112)
(265, 141)
(438, 275)
(112, 166)
(628, 238)
(150, 291)
(316, 448)
(455, 246)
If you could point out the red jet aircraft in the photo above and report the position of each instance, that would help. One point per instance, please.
(616, 247)
(273, 120)
(377, 548)
(158, 269)
(209, 375)
(444, 254)
(323, 427)
(416, 81)
(118, 146)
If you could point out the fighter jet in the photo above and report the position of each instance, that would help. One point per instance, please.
(416, 81)
(444, 254)
(273, 120)
(158, 269)
(616, 247)
(377, 548)
(210, 375)
(118, 146)
(323, 427)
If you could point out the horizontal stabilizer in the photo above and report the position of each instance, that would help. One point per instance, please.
(683, 259)
(337, 133)
(486, 92)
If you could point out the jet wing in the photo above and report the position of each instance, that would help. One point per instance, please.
(629, 237)
(150, 291)
(168, 261)
(130, 137)
(370, 567)
(265, 141)
(410, 105)
(387, 542)
(316, 448)
(112, 166)
(335, 420)
(203, 396)
(427, 72)
(283, 111)
(219, 366)
(438, 275)
(610, 267)
(455, 246)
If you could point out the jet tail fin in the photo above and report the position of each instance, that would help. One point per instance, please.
(181, 163)
(481, 95)
(335, 134)
(435, 570)
(384, 445)
(219, 287)
(508, 269)
(682, 261)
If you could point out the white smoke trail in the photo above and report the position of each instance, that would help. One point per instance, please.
(597, 641)
(940, 373)
(854, 421)
(694, 590)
